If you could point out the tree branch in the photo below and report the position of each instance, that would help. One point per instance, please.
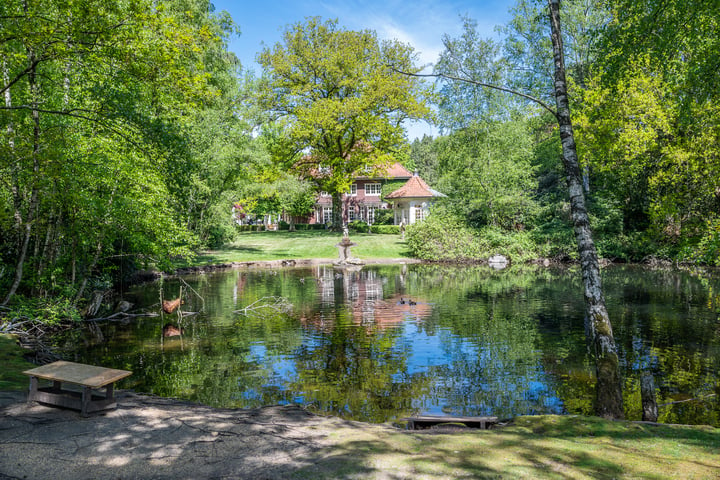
(479, 84)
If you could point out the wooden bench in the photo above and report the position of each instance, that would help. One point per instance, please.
(419, 423)
(86, 376)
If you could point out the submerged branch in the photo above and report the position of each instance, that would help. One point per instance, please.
(266, 306)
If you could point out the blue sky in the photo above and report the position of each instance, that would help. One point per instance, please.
(421, 23)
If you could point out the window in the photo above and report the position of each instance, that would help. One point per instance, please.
(419, 214)
(324, 194)
(373, 189)
(351, 213)
(353, 189)
(370, 217)
(327, 215)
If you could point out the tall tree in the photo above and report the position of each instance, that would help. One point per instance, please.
(609, 402)
(92, 132)
(600, 336)
(650, 122)
(337, 106)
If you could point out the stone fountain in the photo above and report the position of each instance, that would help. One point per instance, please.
(346, 258)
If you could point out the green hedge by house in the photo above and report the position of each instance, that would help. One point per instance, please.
(386, 229)
(303, 226)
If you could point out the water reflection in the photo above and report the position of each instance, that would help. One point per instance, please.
(390, 341)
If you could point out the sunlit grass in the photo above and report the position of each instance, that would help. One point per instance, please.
(537, 447)
(282, 245)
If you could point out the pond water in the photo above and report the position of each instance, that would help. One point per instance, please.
(387, 342)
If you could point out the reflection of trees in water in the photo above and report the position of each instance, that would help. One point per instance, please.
(356, 366)
(501, 342)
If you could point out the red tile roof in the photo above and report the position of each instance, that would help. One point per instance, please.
(415, 188)
(393, 171)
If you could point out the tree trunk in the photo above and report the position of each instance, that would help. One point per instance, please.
(336, 225)
(609, 401)
(28, 221)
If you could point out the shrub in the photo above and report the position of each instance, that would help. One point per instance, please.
(358, 226)
(442, 238)
(384, 216)
(386, 229)
(48, 311)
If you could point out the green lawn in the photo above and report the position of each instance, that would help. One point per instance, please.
(257, 246)
(535, 447)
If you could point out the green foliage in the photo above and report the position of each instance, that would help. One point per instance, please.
(440, 237)
(53, 311)
(444, 237)
(424, 159)
(358, 226)
(385, 229)
(487, 174)
(336, 102)
(384, 216)
(109, 115)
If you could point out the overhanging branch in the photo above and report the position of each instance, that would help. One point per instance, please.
(479, 84)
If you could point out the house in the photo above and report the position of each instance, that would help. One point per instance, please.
(363, 199)
(412, 201)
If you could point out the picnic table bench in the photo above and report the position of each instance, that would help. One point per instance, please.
(88, 377)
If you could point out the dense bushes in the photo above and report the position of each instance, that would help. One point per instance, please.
(442, 237)
(301, 226)
(386, 229)
(358, 226)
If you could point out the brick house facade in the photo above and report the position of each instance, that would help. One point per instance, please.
(363, 200)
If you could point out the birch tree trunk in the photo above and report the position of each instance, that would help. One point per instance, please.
(609, 401)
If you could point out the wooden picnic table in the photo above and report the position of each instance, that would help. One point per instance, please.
(88, 377)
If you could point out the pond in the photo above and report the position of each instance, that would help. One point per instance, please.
(387, 342)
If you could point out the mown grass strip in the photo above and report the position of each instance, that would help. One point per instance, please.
(282, 245)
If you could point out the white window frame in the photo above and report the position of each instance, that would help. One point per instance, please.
(370, 214)
(327, 215)
(353, 190)
(373, 189)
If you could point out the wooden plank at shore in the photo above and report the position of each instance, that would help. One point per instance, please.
(427, 421)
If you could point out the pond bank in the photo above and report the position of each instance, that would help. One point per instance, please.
(152, 437)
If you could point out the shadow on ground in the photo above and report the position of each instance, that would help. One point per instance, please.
(150, 437)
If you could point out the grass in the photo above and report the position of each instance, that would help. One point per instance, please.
(537, 447)
(284, 245)
(13, 364)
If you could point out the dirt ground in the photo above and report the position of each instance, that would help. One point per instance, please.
(156, 438)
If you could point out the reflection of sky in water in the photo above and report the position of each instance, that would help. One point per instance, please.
(281, 368)
(488, 344)
(424, 351)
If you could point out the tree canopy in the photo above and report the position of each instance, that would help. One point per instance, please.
(336, 103)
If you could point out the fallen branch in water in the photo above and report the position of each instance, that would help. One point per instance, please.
(123, 315)
(266, 306)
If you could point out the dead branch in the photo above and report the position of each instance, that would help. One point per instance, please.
(266, 306)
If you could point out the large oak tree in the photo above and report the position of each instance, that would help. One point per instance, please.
(337, 106)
